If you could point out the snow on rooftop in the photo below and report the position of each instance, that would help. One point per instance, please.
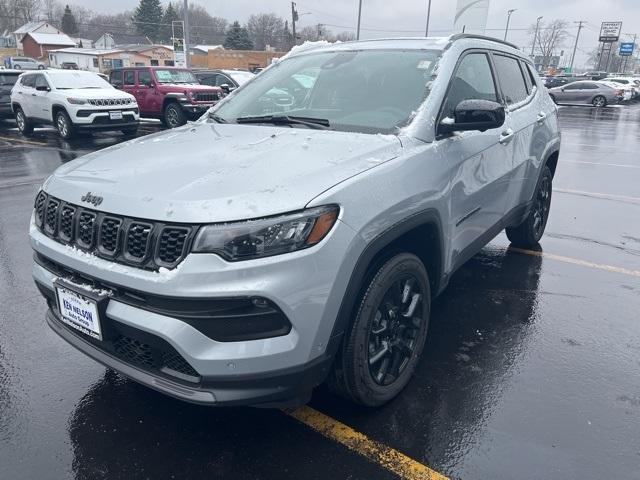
(52, 38)
(86, 51)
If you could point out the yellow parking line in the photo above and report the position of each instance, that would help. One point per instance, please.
(577, 261)
(10, 139)
(388, 458)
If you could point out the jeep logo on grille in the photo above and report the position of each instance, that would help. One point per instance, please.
(95, 200)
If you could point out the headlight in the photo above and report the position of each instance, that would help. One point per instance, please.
(76, 101)
(268, 236)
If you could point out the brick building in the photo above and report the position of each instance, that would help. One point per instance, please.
(38, 45)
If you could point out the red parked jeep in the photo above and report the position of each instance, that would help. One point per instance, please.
(171, 94)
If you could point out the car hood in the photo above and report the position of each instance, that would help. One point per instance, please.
(95, 93)
(214, 172)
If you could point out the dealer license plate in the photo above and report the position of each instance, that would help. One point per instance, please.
(79, 312)
(115, 115)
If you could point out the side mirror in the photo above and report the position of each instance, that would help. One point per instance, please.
(470, 115)
(226, 88)
(43, 88)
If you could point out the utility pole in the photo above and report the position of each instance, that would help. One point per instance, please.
(509, 12)
(359, 15)
(426, 32)
(185, 14)
(294, 19)
(535, 35)
(575, 45)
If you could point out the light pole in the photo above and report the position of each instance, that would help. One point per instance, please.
(509, 12)
(426, 31)
(185, 12)
(359, 15)
(535, 35)
(575, 45)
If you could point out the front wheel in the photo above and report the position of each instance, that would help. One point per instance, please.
(529, 232)
(64, 125)
(383, 345)
(174, 116)
(599, 101)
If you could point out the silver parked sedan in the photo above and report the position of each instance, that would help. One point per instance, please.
(598, 94)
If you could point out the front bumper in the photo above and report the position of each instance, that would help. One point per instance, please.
(96, 118)
(306, 285)
(195, 110)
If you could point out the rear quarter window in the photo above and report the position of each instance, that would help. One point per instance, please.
(512, 83)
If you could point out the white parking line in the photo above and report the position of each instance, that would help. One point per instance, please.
(606, 196)
(602, 164)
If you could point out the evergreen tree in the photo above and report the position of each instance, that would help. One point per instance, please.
(170, 15)
(68, 23)
(237, 38)
(147, 19)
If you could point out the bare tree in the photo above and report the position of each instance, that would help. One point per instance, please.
(346, 36)
(205, 28)
(551, 36)
(266, 29)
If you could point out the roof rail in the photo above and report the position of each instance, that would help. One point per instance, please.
(459, 36)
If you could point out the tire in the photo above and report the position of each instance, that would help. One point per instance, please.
(17, 67)
(382, 346)
(599, 101)
(130, 132)
(24, 124)
(64, 125)
(173, 116)
(529, 232)
(40, 67)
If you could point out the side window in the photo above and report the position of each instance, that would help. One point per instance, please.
(144, 78)
(589, 86)
(129, 77)
(512, 82)
(41, 81)
(28, 81)
(573, 86)
(211, 81)
(473, 80)
(532, 74)
(222, 80)
(116, 78)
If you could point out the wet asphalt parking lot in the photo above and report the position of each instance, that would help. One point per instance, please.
(531, 368)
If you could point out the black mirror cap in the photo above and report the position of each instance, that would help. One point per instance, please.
(478, 115)
(43, 88)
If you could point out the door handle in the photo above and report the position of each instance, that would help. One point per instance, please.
(541, 117)
(506, 136)
(33, 94)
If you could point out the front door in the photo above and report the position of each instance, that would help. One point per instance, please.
(145, 93)
(479, 162)
(41, 105)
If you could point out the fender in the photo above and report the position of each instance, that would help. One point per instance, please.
(429, 217)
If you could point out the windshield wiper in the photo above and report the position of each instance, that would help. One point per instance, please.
(217, 118)
(318, 123)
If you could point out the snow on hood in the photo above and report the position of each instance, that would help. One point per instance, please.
(214, 173)
(95, 93)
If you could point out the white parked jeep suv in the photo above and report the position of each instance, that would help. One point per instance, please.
(72, 100)
(274, 245)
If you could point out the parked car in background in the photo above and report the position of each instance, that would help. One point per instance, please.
(552, 82)
(586, 92)
(253, 256)
(72, 101)
(23, 63)
(628, 84)
(596, 75)
(173, 95)
(69, 66)
(8, 79)
(228, 80)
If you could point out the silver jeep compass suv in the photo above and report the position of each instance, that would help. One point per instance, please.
(300, 230)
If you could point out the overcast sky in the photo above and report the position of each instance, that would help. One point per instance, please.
(383, 18)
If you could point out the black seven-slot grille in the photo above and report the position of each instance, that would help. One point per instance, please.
(144, 244)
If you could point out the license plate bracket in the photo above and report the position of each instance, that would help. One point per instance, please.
(82, 309)
(115, 115)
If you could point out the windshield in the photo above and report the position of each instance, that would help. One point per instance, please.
(68, 80)
(175, 76)
(369, 91)
(240, 77)
(7, 79)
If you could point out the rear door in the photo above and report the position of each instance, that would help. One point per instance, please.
(571, 92)
(479, 162)
(26, 94)
(527, 114)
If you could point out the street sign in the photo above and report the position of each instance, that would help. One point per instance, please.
(610, 31)
(626, 49)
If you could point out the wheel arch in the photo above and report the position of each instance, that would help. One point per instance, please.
(420, 234)
(55, 108)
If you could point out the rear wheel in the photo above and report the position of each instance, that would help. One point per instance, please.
(383, 345)
(24, 124)
(17, 67)
(599, 101)
(64, 125)
(529, 232)
(173, 116)
(40, 67)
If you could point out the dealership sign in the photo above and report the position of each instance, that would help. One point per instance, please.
(626, 49)
(610, 31)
